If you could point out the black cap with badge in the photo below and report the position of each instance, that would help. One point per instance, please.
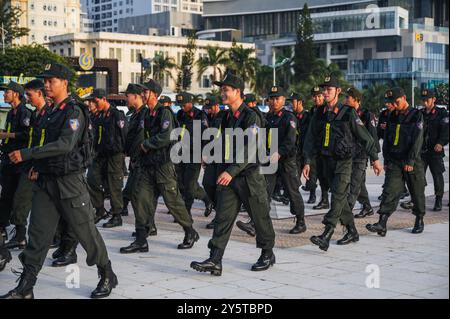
(249, 98)
(316, 90)
(331, 81)
(276, 91)
(231, 80)
(210, 101)
(56, 70)
(165, 99)
(427, 94)
(184, 98)
(133, 88)
(296, 97)
(354, 93)
(13, 86)
(393, 94)
(153, 86)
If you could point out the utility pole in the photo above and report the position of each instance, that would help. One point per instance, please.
(274, 59)
(3, 37)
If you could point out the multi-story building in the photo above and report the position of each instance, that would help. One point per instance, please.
(371, 41)
(106, 13)
(127, 48)
(45, 18)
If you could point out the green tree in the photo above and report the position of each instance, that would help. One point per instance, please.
(216, 58)
(263, 80)
(162, 68)
(373, 97)
(9, 19)
(185, 70)
(304, 57)
(243, 63)
(442, 94)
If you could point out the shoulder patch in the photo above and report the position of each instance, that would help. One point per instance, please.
(293, 124)
(359, 122)
(74, 124)
(142, 123)
(121, 123)
(26, 121)
(420, 125)
(165, 124)
(445, 120)
(254, 128)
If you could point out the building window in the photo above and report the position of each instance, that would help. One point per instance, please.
(61, 51)
(119, 54)
(339, 48)
(82, 51)
(69, 51)
(389, 44)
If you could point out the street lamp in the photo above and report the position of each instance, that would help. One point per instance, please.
(275, 65)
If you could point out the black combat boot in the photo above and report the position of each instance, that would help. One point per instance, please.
(124, 211)
(100, 213)
(404, 195)
(351, 236)
(380, 227)
(213, 264)
(248, 227)
(407, 205)
(108, 281)
(19, 240)
(209, 208)
(190, 237)
(323, 204)
(285, 199)
(140, 245)
(265, 261)
(438, 204)
(115, 221)
(418, 225)
(68, 256)
(24, 289)
(323, 241)
(312, 197)
(300, 226)
(365, 211)
(56, 242)
(306, 188)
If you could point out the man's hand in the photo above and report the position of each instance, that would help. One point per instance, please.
(15, 157)
(438, 148)
(224, 179)
(408, 168)
(143, 149)
(275, 157)
(306, 170)
(377, 167)
(32, 175)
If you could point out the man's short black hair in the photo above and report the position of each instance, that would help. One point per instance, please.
(36, 85)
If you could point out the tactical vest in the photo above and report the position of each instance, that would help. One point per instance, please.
(109, 135)
(152, 127)
(432, 129)
(336, 138)
(400, 135)
(15, 123)
(76, 160)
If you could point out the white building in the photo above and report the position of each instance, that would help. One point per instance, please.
(46, 18)
(106, 13)
(126, 49)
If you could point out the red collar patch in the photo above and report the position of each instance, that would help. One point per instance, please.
(237, 114)
(191, 114)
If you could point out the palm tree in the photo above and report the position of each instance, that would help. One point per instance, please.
(243, 62)
(10, 20)
(373, 97)
(216, 57)
(162, 68)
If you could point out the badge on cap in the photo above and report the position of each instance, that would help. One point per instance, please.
(165, 125)
(424, 92)
(389, 93)
(179, 98)
(274, 89)
(207, 102)
(48, 67)
(327, 79)
(316, 89)
(74, 124)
